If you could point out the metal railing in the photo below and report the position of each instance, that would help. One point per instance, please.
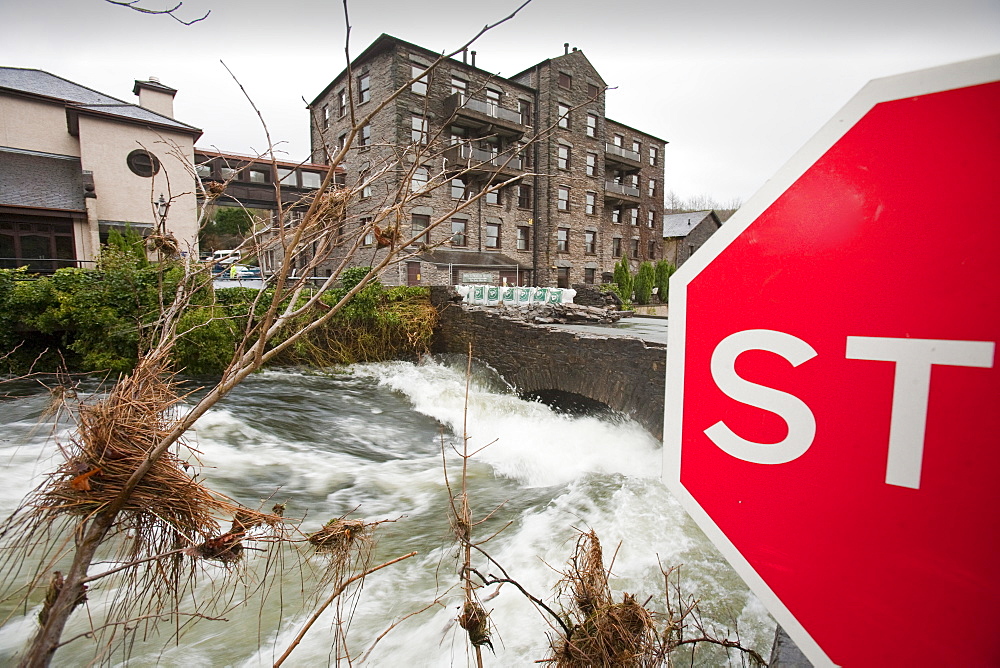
(621, 189)
(490, 109)
(479, 158)
(624, 153)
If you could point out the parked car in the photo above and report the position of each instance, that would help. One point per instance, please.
(242, 272)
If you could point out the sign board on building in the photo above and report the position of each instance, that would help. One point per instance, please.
(833, 395)
(477, 277)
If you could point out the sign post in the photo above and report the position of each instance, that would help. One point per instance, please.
(833, 392)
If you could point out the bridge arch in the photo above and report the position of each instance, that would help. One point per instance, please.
(626, 374)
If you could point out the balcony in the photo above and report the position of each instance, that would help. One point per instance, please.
(630, 160)
(620, 193)
(477, 162)
(485, 117)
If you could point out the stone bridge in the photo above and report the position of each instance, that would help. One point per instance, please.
(625, 374)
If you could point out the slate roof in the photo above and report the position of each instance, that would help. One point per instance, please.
(40, 180)
(75, 96)
(681, 224)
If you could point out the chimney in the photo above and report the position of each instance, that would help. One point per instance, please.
(155, 96)
(574, 49)
(473, 58)
(465, 56)
(566, 49)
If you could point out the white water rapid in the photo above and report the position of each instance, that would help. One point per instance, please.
(370, 439)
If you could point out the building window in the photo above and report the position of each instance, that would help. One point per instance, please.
(651, 251)
(565, 80)
(204, 171)
(616, 214)
(342, 103)
(635, 249)
(523, 196)
(590, 276)
(418, 129)
(309, 179)
(260, 176)
(562, 277)
(562, 160)
(563, 199)
(458, 237)
(652, 187)
(637, 147)
(633, 216)
(418, 182)
(524, 107)
(634, 180)
(341, 142)
(593, 90)
(286, 177)
(523, 240)
(619, 140)
(591, 125)
(651, 218)
(591, 203)
(142, 163)
(493, 96)
(563, 115)
(420, 85)
(369, 238)
(364, 88)
(653, 154)
(459, 190)
(459, 86)
(493, 197)
(616, 247)
(492, 235)
(366, 184)
(419, 223)
(591, 164)
(326, 116)
(590, 242)
(562, 239)
(365, 138)
(230, 173)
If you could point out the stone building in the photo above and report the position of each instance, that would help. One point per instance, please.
(76, 163)
(579, 189)
(684, 233)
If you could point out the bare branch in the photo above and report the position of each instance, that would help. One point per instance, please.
(171, 12)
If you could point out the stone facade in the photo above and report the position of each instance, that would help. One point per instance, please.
(464, 130)
(684, 233)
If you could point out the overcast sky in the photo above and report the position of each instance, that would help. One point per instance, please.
(735, 86)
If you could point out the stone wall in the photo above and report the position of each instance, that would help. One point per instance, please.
(627, 375)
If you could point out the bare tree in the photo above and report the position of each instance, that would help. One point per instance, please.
(125, 486)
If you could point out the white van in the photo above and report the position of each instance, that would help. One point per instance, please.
(226, 257)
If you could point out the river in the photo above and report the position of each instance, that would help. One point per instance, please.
(370, 439)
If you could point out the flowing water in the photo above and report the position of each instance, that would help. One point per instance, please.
(371, 439)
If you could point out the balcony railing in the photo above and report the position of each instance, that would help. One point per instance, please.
(621, 189)
(624, 154)
(507, 120)
(479, 159)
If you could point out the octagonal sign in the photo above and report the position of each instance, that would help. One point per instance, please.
(833, 402)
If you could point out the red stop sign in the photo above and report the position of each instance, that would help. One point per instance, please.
(833, 399)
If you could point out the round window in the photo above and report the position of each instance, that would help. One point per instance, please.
(142, 163)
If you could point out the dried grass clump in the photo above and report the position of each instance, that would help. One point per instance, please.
(164, 243)
(340, 535)
(601, 632)
(332, 208)
(476, 623)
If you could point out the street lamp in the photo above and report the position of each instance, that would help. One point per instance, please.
(161, 210)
